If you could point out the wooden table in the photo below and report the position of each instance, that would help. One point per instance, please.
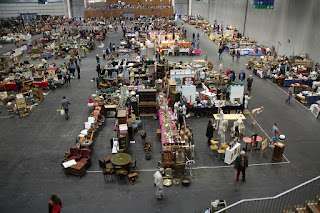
(78, 170)
(121, 159)
(230, 116)
(110, 108)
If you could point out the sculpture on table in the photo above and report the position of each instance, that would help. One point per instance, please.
(184, 110)
(223, 127)
(238, 127)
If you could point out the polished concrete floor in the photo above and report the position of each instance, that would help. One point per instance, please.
(32, 148)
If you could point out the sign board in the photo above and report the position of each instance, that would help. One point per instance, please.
(264, 145)
(263, 4)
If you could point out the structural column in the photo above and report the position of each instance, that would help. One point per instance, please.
(85, 4)
(67, 5)
(190, 8)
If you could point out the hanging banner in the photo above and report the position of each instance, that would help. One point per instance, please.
(263, 4)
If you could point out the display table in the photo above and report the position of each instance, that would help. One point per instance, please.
(260, 73)
(287, 82)
(110, 108)
(230, 116)
(311, 99)
(121, 159)
(46, 55)
(232, 154)
(42, 85)
(213, 109)
(165, 126)
(184, 51)
(8, 86)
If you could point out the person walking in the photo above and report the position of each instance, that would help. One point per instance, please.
(98, 70)
(65, 105)
(78, 71)
(206, 57)
(242, 76)
(238, 55)
(233, 54)
(210, 131)
(220, 53)
(193, 36)
(255, 112)
(290, 93)
(67, 79)
(104, 51)
(275, 135)
(158, 182)
(247, 97)
(98, 59)
(249, 83)
(54, 204)
(241, 164)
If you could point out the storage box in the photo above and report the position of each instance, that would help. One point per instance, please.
(222, 204)
(21, 103)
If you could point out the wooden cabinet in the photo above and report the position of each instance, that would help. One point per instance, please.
(122, 116)
(278, 152)
(160, 71)
(147, 102)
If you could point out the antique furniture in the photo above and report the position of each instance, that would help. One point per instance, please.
(85, 157)
(147, 102)
(278, 152)
(78, 170)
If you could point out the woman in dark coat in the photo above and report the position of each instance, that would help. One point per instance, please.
(210, 130)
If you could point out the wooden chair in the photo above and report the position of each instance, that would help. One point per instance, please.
(108, 171)
(221, 151)
(133, 165)
(122, 174)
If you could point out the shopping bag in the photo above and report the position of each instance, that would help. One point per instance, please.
(62, 112)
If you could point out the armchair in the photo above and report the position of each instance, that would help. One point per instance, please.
(85, 157)
(74, 153)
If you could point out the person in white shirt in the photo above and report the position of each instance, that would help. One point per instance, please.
(246, 100)
(202, 76)
(158, 182)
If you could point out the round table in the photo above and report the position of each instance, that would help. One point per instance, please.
(121, 159)
(247, 140)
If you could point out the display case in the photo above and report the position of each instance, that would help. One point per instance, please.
(232, 153)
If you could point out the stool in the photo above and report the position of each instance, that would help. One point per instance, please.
(108, 171)
(221, 153)
(247, 140)
(122, 174)
(213, 142)
(259, 139)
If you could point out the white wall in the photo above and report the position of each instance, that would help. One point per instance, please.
(181, 7)
(14, 9)
(77, 7)
(296, 20)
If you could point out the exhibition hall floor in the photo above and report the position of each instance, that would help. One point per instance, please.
(32, 149)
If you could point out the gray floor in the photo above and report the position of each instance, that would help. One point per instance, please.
(32, 148)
